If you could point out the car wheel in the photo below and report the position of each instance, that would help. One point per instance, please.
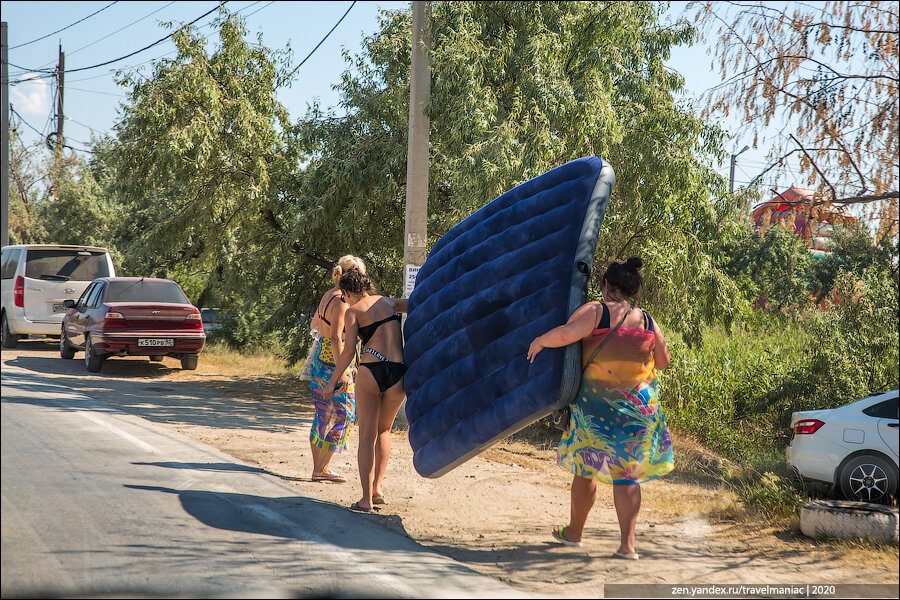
(66, 350)
(189, 362)
(92, 361)
(868, 478)
(9, 339)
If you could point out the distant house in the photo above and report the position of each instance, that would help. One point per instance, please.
(800, 209)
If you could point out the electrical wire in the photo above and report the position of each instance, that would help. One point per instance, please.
(258, 9)
(146, 62)
(83, 125)
(70, 88)
(64, 28)
(129, 55)
(45, 74)
(21, 118)
(123, 28)
(288, 78)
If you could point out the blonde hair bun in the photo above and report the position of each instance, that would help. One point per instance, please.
(348, 262)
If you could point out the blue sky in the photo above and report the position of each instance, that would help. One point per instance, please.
(91, 96)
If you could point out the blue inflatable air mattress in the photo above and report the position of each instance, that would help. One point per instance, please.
(509, 272)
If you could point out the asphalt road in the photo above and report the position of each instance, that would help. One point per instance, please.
(98, 502)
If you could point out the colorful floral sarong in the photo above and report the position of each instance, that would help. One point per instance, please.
(617, 433)
(334, 415)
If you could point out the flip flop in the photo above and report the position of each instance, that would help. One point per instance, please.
(333, 477)
(378, 500)
(632, 556)
(356, 507)
(560, 537)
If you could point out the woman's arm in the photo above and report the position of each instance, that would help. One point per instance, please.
(400, 304)
(337, 327)
(343, 360)
(661, 356)
(579, 326)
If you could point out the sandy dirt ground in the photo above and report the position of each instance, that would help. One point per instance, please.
(494, 512)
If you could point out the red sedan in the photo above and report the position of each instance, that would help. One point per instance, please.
(119, 316)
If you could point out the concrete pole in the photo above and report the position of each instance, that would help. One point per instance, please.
(734, 162)
(416, 231)
(4, 176)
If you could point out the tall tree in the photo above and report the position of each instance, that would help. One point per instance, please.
(517, 89)
(25, 179)
(198, 156)
(827, 75)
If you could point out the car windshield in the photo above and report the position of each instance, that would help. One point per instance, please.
(65, 265)
(210, 315)
(145, 291)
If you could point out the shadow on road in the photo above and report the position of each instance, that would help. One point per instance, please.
(139, 387)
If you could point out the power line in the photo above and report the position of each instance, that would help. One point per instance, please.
(21, 118)
(122, 28)
(140, 64)
(64, 28)
(69, 88)
(129, 55)
(320, 43)
(83, 125)
(258, 9)
(47, 74)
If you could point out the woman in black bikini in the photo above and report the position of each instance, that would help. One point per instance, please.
(375, 320)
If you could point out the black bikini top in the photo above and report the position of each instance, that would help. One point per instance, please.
(605, 324)
(366, 333)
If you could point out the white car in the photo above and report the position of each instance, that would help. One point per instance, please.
(36, 281)
(854, 448)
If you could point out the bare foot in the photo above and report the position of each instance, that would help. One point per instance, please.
(328, 476)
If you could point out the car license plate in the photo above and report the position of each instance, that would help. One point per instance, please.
(155, 342)
(59, 308)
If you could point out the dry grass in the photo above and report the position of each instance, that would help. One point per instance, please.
(223, 360)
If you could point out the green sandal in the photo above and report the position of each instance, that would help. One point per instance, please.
(560, 537)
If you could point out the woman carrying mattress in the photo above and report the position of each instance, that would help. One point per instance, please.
(617, 433)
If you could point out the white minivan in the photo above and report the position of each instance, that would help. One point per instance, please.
(36, 281)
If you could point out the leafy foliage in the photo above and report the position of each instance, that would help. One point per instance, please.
(771, 267)
(853, 251)
(517, 89)
(828, 73)
(198, 157)
(833, 68)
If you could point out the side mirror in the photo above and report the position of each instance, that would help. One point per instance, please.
(69, 303)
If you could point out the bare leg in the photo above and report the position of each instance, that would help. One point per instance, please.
(584, 494)
(321, 458)
(390, 404)
(315, 451)
(627, 499)
(368, 401)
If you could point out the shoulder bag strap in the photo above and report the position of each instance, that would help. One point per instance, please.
(606, 339)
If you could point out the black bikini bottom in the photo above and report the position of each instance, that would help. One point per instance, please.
(386, 373)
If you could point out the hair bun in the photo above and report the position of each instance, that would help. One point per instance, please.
(636, 263)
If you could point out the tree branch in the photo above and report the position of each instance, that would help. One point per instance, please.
(816, 167)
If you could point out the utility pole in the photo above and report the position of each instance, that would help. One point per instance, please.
(415, 236)
(416, 231)
(60, 115)
(733, 161)
(4, 176)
